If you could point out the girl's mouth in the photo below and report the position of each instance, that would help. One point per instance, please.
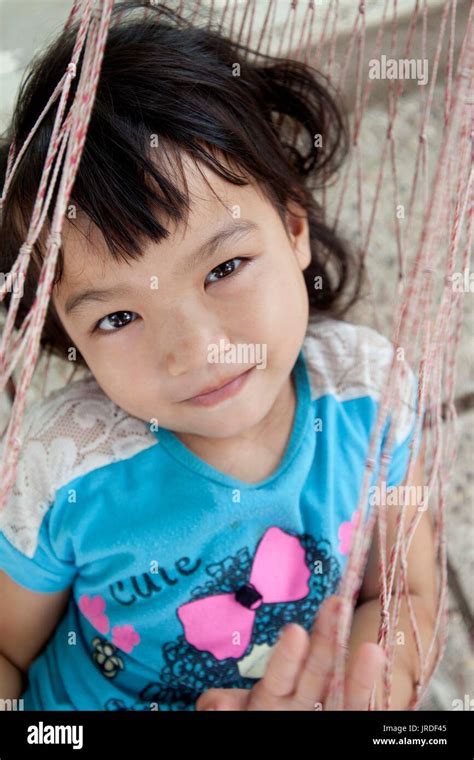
(220, 394)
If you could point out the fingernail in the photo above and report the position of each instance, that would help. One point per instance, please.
(210, 708)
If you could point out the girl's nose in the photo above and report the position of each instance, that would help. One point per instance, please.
(186, 344)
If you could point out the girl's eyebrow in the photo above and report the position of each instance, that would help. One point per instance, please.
(95, 294)
(208, 248)
(237, 229)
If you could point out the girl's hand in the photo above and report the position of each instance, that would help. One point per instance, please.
(299, 670)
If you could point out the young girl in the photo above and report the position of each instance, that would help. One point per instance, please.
(194, 495)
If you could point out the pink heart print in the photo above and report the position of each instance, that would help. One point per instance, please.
(346, 530)
(92, 607)
(125, 637)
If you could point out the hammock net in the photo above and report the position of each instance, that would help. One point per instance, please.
(432, 238)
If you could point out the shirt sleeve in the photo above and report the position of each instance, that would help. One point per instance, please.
(404, 422)
(27, 547)
(44, 571)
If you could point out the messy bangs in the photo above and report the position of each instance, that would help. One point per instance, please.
(150, 201)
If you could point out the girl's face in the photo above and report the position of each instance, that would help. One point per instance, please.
(152, 335)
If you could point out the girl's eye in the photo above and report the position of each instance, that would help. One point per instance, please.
(116, 321)
(224, 270)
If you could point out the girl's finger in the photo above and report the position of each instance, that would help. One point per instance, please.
(365, 670)
(282, 669)
(317, 669)
(223, 699)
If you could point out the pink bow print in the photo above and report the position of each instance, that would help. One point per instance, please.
(222, 624)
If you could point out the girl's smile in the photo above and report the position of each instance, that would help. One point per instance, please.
(222, 392)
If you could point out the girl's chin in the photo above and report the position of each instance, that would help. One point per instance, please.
(227, 422)
(226, 429)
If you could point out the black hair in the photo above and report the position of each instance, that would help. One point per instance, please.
(164, 76)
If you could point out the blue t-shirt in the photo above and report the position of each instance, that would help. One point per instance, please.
(181, 576)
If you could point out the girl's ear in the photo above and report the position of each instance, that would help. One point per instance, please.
(298, 230)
